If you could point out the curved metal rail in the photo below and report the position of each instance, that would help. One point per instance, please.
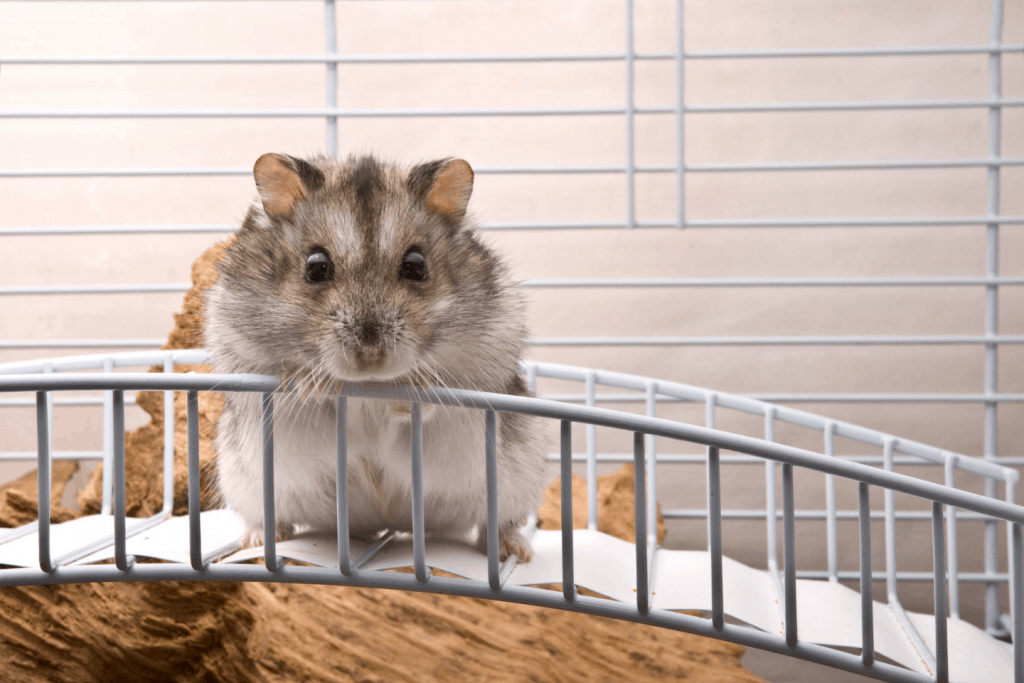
(39, 377)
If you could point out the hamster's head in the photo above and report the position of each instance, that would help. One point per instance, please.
(361, 270)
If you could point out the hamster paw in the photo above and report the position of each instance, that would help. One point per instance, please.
(254, 537)
(511, 541)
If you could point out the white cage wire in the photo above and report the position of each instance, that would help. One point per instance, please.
(992, 161)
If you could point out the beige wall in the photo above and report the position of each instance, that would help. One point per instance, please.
(523, 26)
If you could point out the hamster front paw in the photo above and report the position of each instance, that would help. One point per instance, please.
(511, 541)
(253, 538)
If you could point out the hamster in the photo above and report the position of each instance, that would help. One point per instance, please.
(364, 271)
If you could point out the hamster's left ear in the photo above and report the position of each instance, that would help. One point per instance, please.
(444, 185)
(282, 181)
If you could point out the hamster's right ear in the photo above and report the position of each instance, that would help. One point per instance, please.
(283, 180)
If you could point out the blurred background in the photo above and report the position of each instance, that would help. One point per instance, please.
(819, 206)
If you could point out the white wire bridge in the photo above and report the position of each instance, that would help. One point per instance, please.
(819, 621)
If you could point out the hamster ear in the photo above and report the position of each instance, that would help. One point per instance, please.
(450, 191)
(283, 180)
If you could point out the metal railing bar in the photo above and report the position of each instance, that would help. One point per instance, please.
(341, 482)
(331, 76)
(789, 553)
(551, 409)
(771, 510)
(680, 131)
(568, 569)
(809, 398)
(753, 460)
(477, 589)
(95, 361)
(195, 544)
(270, 559)
(954, 588)
(169, 423)
(1017, 553)
(630, 115)
(832, 551)
(97, 60)
(715, 538)
(939, 563)
(891, 585)
(108, 439)
(491, 457)
(43, 480)
(122, 560)
(419, 548)
(911, 576)
(934, 221)
(619, 283)
(591, 432)
(95, 289)
(990, 371)
(643, 595)
(816, 515)
(16, 456)
(862, 340)
(866, 601)
(612, 110)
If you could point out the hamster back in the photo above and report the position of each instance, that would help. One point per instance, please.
(365, 271)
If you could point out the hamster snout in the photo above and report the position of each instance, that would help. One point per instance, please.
(358, 270)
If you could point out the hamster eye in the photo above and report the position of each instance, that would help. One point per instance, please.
(319, 267)
(413, 267)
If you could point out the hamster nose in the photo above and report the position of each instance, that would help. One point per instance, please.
(369, 333)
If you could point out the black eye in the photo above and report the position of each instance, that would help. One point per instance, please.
(413, 267)
(319, 267)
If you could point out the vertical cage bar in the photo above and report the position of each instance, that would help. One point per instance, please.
(195, 545)
(680, 119)
(43, 473)
(992, 208)
(331, 79)
(771, 506)
(531, 378)
(867, 618)
(1011, 497)
(341, 479)
(889, 447)
(639, 478)
(108, 440)
(591, 430)
(491, 455)
(568, 571)
(630, 124)
(121, 559)
(830, 506)
(939, 564)
(1017, 579)
(269, 517)
(789, 553)
(954, 580)
(419, 547)
(168, 507)
(652, 471)
(715, 537)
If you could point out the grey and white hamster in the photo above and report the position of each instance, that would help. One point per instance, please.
(365, 271)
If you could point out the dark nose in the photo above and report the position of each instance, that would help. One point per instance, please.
(369, 332)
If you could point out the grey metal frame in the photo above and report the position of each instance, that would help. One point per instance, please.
(40, 377)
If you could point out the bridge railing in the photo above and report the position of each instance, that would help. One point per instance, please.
(40, 377)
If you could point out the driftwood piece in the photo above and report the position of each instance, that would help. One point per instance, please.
(224, 632)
